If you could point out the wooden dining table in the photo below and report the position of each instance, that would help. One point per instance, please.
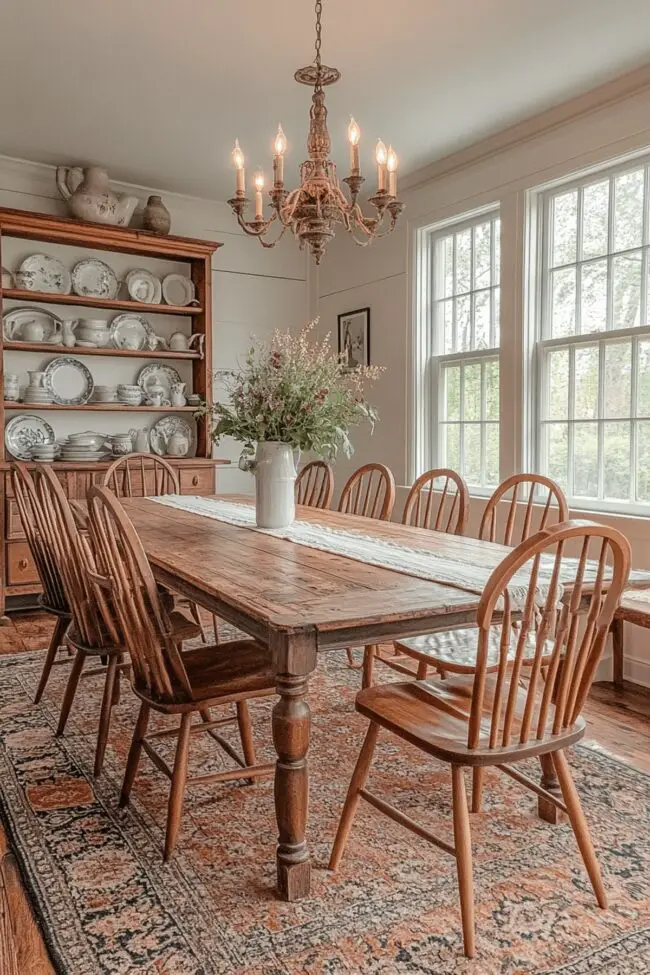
(301, 601)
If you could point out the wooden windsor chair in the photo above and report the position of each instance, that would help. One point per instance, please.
(496, 718)
(52, 599)
(369, 492)
(165, 678)
(140, 475)
(88, 635)
(438, 500)
(315, 485)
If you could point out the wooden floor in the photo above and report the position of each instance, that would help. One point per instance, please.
(618, 721)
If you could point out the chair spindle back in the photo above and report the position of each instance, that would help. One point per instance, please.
(515, 490)
(438, 500)
(315, 485)
(140, 476)
(31, 516)
(370, 492)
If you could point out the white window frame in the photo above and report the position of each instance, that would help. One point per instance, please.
(540, 276)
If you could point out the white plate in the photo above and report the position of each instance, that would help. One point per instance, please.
(25, 430)
(143, 286)
(40, 272)
(130, 331)
(69, 381)
(162, 430)
(92, 278)
(14, 321)
(178, 290)
(165, 375)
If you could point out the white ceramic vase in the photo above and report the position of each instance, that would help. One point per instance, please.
(275, 478)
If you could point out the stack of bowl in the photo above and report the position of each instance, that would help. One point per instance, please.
(104, 394)
(83, 447)
(45, 452)
(129, 395)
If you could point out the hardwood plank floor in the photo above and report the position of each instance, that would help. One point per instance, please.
(617, 721)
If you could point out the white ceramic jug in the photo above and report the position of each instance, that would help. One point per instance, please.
(275, 478)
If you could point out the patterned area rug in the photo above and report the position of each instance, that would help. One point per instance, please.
(107, 904)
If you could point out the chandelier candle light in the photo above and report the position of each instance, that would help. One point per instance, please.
(313, 209)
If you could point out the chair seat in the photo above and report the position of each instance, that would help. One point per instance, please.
(455, 650)
(435, 717)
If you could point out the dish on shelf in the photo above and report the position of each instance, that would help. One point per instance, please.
(23, 432)
(158, 374)
(129, 331)
(177, 289)
(163, 430)
(88, 438)
(16, 320)
(143, 286)
(92, 278)
(69, 381)
(40, 272)
(105, 394)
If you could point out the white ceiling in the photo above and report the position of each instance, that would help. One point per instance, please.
(157, 89)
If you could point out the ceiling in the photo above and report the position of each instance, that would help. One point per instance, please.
(157, 90)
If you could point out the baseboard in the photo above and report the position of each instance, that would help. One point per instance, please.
(634, 669)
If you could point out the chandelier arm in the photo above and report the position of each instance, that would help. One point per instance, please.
(254, 228)
(272, 243)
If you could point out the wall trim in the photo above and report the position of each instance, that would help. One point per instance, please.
(607, 94)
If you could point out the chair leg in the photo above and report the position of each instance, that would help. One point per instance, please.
(368, 666)
(478, 774)
(246, 733)
(352, 664)
(580, 827)
(108, 701)
(70, 690)
(177, 791)
(357, 782)
(463, 845)
(215, 625)
(196, 616)
(618, 647)
(135, 751)
(56, 641)
(422, 670)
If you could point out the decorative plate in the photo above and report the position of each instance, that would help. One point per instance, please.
(40, 272)
(69, 381)
(163, 429)
(92, 278)
(178, 290)
(130, 331)
(163, 374)
(143, 286)
(23, 432)
(14, 321)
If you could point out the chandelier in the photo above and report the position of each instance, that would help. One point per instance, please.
(313, 209)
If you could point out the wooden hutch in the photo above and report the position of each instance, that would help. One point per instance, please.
(18, 576)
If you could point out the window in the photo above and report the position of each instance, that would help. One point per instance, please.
(465, 347)
(593, 352)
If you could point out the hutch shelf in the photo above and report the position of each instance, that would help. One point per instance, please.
(18, 576)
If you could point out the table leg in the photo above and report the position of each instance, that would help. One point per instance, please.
(291, 727)
(617, 630)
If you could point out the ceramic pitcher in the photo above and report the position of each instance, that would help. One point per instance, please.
(275, 478)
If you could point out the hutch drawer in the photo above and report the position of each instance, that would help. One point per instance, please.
(20, 567)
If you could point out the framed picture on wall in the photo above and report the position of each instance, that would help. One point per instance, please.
(354, 337)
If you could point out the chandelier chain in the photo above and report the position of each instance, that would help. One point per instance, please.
(319, 10)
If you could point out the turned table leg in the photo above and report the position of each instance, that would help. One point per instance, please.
(617, 630)
(291, 727)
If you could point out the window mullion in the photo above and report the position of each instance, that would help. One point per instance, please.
(483, 427)
(571, 417)
(601, 413)
(493, 277)
(580, 204)
(633, 413)
(609, 314)
(454, 318)
(461, 435)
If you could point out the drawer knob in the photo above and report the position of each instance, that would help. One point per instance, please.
(195, 480)
(23, 563)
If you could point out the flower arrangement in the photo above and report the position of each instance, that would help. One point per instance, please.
(295, 390)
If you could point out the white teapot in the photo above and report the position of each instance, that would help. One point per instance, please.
(177, 445)
(179, 342)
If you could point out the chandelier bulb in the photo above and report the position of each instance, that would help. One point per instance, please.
(259, 180)
(380, 153)
(280, 144)
(354, 132)
(392, 161)
(238, 156)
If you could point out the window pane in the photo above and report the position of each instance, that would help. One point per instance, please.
(497, 251)
(492, 454)
(557, 452)
(618, 379)
(585, 460)
(565, 228)
(482, 320)
(492, 390)
(472, 391)
(643, 379)
(452, 393)
(563, 314)
(448, 324)
(643, 462)
(463, 325)
(586, 383)
(628, 210)
(451, 446)
(472, 452)
(447, 249)
(593, 292)
(463, 261)
(497, 318)
(595, 219)
(558, 384)
(626, 271)
(616, 461)
(482, 255)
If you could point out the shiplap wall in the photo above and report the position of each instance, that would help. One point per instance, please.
(254, 291)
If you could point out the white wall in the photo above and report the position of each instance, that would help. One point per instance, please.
(609, 122)
(254, 291)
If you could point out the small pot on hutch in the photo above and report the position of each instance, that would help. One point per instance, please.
(291, 394)
(156, 217)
